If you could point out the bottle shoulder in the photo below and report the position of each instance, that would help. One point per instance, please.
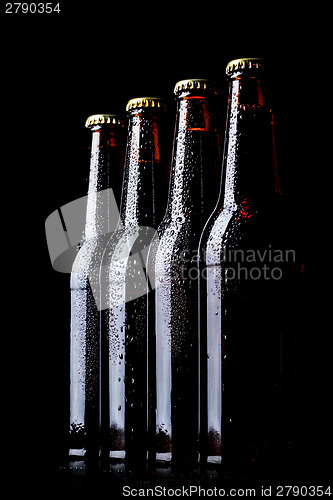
(216, 225)
(126, 241)
(242, 224)
(89, 255)
(178, 234)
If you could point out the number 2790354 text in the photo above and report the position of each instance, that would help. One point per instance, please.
(32, 8)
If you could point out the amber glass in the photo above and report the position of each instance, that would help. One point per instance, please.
(172, 305)
(106, 168)
(124, 287)
(250, 267)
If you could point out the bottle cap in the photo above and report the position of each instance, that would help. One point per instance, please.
(245, 63)
(145, 102)
(103, 119)
(194, 83)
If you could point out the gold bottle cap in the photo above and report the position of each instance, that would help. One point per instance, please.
(193, 83)
(103, 119)
(244, 63)
(145, 102)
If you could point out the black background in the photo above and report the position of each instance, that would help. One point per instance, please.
(92, 58)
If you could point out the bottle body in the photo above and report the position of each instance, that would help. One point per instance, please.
(249, 274)
(172, 305)
(106, 166)
(85, 354)
(124, 317)
(248, 346)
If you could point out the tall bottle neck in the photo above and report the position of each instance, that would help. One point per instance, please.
(250, 172)
(146, 173)
(196, 159)
(105, 178)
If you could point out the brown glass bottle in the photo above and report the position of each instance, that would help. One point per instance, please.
(123, 278)
(106, 168)
(249, 272)
(172, 305)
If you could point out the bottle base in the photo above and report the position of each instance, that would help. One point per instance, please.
(77, 452)
(214, 459)
(167, 467)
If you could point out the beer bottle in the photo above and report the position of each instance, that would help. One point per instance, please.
(123, 279)
(106, 167)
(172, 264)
(249, 269)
